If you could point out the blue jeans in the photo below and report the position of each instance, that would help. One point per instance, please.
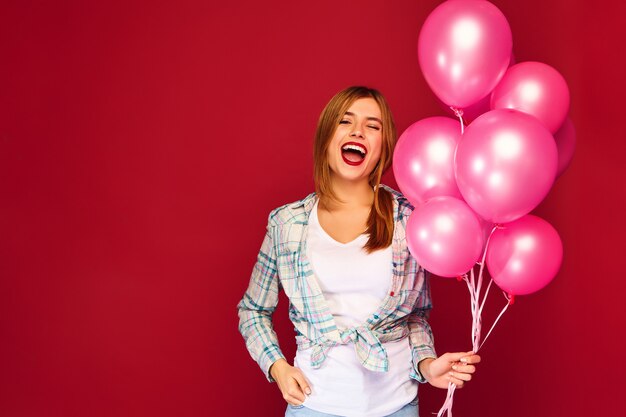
(409, 410)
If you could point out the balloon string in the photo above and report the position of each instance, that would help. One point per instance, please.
(482, 262)
(472, 290)
(459, 113)
(485, 298)
(500, 315)
(482, 265)
(474, 286)
(476, 320)
(447, 405)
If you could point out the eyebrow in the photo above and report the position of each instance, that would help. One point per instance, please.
(376, 119)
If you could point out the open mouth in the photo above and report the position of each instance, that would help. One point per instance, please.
(353, 153)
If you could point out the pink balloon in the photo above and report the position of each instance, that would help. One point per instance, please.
(525, 255)
(505, 164)
(534, 88)
(444, 236)
(565, 139)
(464, 48)
(423, 160)
(472, 111)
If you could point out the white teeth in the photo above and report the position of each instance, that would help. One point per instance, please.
(355, 148)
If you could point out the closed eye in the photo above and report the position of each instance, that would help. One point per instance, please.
(344, 122)
(374, 127)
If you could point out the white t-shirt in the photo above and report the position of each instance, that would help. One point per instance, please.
(354, 284)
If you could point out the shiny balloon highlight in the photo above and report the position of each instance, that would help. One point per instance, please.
(445, 236)
(525, 255)
(423, 160)
(464, 49)
(534, 88)
(505, 164)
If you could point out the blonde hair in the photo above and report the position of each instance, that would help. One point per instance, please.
(380, 220)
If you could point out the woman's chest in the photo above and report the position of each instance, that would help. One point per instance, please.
(348, 269)
(343, 226)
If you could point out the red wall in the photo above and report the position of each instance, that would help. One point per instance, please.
(142, 146)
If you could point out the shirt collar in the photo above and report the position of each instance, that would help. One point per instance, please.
(309, 201)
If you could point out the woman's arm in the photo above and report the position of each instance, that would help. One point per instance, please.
(255, 324)
(421, 341)
(257, 306)
(420, 334)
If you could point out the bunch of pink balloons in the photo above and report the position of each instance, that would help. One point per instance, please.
(464, 181)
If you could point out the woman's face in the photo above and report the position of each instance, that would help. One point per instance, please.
(355, 147)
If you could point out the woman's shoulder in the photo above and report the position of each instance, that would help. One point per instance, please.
(292, 211)
(404, 205)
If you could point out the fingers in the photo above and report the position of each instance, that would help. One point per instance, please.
(292, 393)
(467, 369)
(470, 357)
(454, 357)
(460, 376)
(464, 357)
(304, 384)
(462, 367)
(297, 388)
(458, 379)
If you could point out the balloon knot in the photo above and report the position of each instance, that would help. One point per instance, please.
(457, 112)
(511, 299)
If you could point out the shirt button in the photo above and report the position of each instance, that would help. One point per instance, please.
(391, 293)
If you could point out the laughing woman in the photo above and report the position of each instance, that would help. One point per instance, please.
(357, 298)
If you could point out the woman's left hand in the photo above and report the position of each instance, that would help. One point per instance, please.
(450, 367)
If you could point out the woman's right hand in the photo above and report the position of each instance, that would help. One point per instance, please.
(455, 367)
(291, 382)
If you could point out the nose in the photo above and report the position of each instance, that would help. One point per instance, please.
(356, 133)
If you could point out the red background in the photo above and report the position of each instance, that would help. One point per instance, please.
(142, 146)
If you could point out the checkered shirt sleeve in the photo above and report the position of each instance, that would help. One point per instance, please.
(257, 306)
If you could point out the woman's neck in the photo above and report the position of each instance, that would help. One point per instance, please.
(350, 195)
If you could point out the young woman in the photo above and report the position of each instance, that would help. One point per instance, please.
(357, 298)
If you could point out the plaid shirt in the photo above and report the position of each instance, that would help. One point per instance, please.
(282, 263)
